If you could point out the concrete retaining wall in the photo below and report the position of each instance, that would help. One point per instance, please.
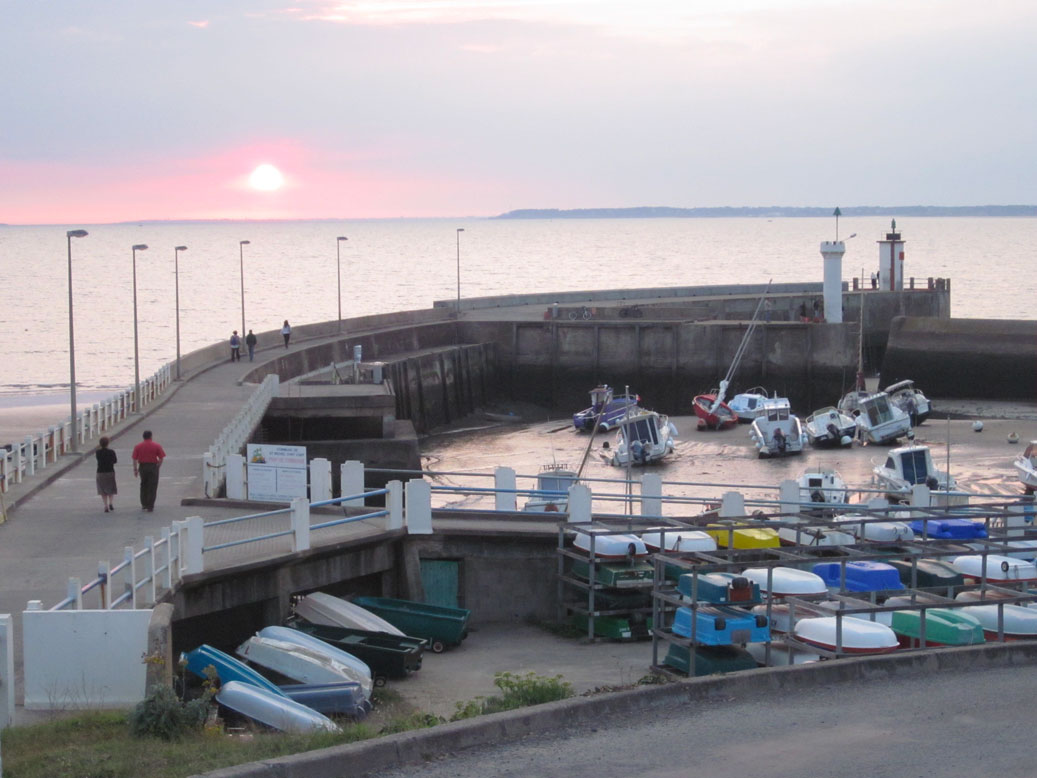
(981, 358)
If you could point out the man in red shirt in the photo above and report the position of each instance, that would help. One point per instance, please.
(147, 459)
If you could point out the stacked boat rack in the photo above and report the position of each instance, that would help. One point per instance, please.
(717, 595)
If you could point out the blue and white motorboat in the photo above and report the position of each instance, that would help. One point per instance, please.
(552, 490)
(606, 409)
(777, 432)
(644, 437)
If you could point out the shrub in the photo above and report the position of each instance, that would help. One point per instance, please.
(518, 692)
(164, 715)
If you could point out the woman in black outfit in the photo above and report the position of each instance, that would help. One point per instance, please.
(106, 460)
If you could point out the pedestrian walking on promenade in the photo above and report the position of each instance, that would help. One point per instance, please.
(250, 341)
(286, 331)
(147, 459)
(235, 347)
(106, 460)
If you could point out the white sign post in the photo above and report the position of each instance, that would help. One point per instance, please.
(276, 473)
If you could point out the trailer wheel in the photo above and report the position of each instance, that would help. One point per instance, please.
(380, 680)
(438, 646)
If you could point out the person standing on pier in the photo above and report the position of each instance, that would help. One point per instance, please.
(106, 460)
(250, 341)
(235, 347)
(147, 459)
(286, 331)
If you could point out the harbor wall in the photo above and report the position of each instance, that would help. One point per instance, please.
(976, 358)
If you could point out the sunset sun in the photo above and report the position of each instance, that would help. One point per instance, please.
(266, 178)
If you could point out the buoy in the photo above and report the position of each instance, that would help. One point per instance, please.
(1013, 437)
(977, 426)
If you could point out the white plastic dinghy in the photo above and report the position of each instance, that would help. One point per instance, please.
(858, 636)
(302, 663)
(321, 608)
(866, 528)
(999, 569)
(679, 540)
(611, 546)
(271, 709)
(300, 638)
(786, 581)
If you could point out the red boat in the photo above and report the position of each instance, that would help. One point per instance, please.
(713, 415)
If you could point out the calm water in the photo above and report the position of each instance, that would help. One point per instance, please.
(290, 273)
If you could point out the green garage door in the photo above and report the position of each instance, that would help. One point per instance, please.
(439, 577)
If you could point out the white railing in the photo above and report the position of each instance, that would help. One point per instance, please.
(235, 435)
(43, 449)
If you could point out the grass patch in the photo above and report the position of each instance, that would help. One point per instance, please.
(518, 691)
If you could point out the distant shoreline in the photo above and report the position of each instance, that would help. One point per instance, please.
(770, 212)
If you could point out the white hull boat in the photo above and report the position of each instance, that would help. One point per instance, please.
(749, 405)
(879, 421)
(777, 432)
(679, 540)
(552, 490)
(785, 616)
(824, 487)
(908, 398)
(868, 528)
(857, 636)
(325, 609)
(906, 467)
(643, 437)
(1026, 467)
(300, 638)
(271, 709)
(1019, 623)
(621, 546)
(814, 536)
(302, 663)
(999, 569)
(786, 581)
(830, 428)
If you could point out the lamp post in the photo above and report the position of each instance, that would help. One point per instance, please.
(136, 349)
(338, 261)
(72, 340)
(176, 284)
(459, 231)
(241, 262)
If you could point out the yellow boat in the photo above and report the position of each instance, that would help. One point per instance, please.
(738, 535)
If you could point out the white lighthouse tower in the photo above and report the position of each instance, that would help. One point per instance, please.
(832, 251)
(891, 260)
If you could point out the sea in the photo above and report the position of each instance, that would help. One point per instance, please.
(289, 270)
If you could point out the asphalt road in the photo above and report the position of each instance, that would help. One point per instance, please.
(943, 724)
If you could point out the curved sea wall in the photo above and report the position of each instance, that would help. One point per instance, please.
(981, 358)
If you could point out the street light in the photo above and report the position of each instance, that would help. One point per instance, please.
(72, 340)
(176, 277)
(459, 231)
(338, 260)
(136, 349)
(241, 261)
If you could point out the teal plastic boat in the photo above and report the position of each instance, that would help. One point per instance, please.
(943, 627)
(439, 625)
(710, 659)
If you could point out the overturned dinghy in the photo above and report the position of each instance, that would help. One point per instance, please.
(997, 569)
(851, 636)
(304, 664)
(299, 638)
(321, 608)
(679, 540)
(786, 581)
(612, 546)
(272, 709)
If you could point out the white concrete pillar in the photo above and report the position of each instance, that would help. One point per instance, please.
(75, 593)
(504, 482)
(579, 503)
(394, 504)
(833, 251)
(732, 505)
(6, 670)
(320, 479)
(920, 497)
(300, 524)
(236, 489)
(789, 496)
(192, 548)
(210, 474)
(652, 495)
(418, 507)
(351, 481)
(129, 572)
(30, 457)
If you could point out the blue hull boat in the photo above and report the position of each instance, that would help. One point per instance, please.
(610, 408)
(949, 529)
(721, 626)
(861, 576)
(274, 710)
(719, 588)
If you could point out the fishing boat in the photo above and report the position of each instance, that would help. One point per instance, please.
(273, 710)
(606, 409)
(823, 487)
(552, 490)
(846, 635)
(995, 568)
(679, 540)
(1015, 621)
(301, 663)
(321, 608)
(829, 427)
(910, 399)
(942, 627)
(859, 576)
(786, 581)
(720, 625)
(610, 545)
(907, 466)
(749, 404)
(710, 407)
(879, 421)
(719, 588)
(644, 437)
(1026, 467)
(866, 527)
(777, 431)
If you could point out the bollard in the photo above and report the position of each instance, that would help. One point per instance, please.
(504, 484)
(418, 507)
(652, 495)
(300, 524)
(351, 481)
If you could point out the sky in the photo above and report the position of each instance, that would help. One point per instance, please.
(127, 111)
